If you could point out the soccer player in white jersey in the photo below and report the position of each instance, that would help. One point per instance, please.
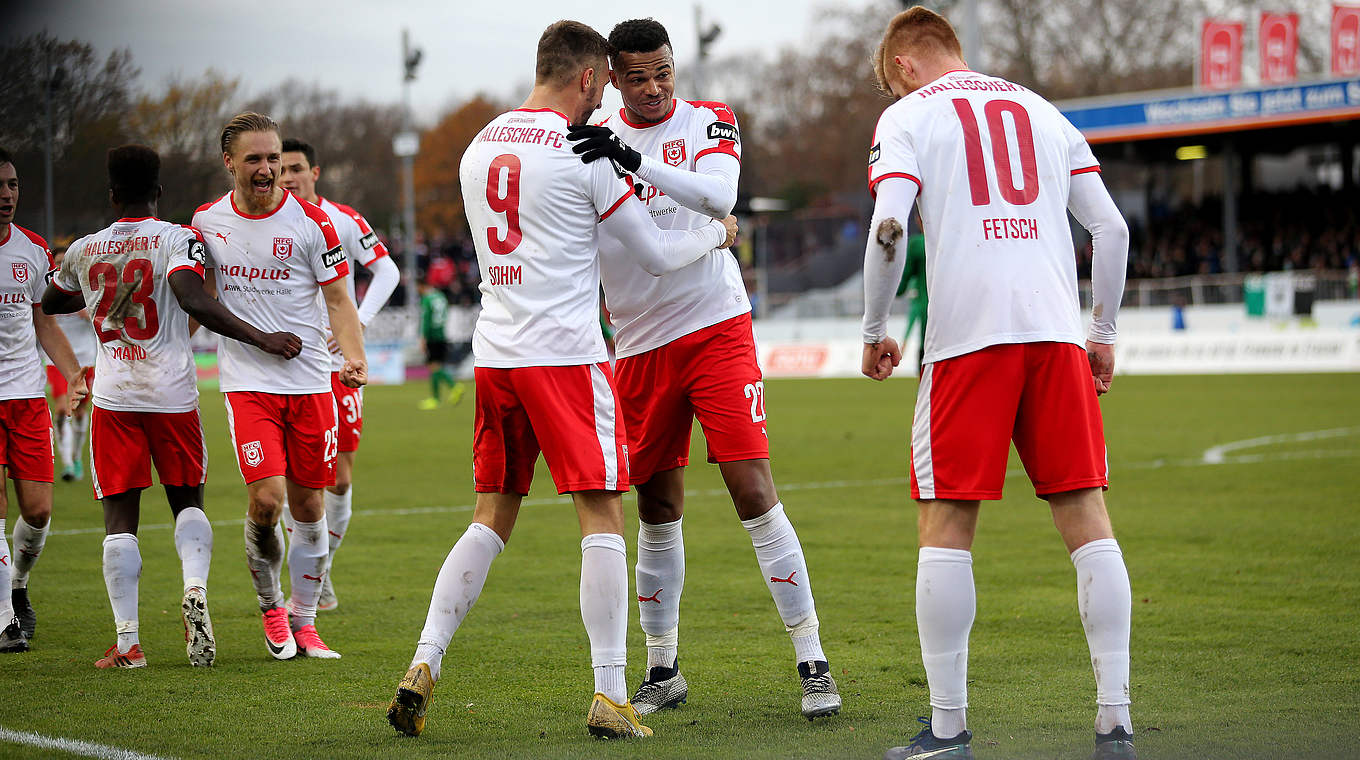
(146, 390)
(543, 377)
(71, 428)
(277, 259)
(362, 248)
(25, 422)
(995, 168)
(685, 349)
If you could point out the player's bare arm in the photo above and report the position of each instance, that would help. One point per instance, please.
(210, 313)
(348, 333)
(53, 341)
(884, 259)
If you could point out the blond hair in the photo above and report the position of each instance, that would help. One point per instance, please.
(246, 122)
(915, 31)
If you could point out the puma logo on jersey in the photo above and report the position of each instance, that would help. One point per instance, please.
(221, 235)
(789, 580)
(316, 578)
(653, 598)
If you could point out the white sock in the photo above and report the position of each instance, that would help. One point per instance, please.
(1106, 605)
(264, 558)
(194, 543)
(660, 577)
(339, 508)
(781, 563)
(604, 610)
(65, 437)
(283, 530)
(6, 562)
(28, 546)
(306, 567)
(122, 572)
(946, 603)
(456, 589)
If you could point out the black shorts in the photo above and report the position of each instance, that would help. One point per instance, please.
(436, 351)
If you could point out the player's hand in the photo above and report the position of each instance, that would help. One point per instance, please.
(880, 358)
(283, 344)
(593, 143)
(76, 391)
(354, 374)
(729, 224)
(1101, 357)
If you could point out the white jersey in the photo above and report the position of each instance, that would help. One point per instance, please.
(648, 312)
(533, 208)
(993, 162)
(270, 269)
(25, 262)
(362, 247)
(80, 335)
(145, 361)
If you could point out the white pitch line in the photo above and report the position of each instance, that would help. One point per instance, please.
(1218, 454)
(72, 746)
(1215, 455)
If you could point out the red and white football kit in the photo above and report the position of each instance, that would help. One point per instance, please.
(25, 422)
(83, 344)
(146, 385)
(543, 378)
(995, 167)
(684, 341)
(270, 269)
(362, 248)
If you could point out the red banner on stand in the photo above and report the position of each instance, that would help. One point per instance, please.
(1220, 54)
(1345, 40)
(1279, 43)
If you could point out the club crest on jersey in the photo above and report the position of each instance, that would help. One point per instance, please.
(674, 152)
(20, 270)
(875, 153)
(283, 248)
(253, 452)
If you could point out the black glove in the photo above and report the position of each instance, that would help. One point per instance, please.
(601, 142)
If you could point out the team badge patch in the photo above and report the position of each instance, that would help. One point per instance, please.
(196, 253)
(368, 241)
(875, 153)
(20, 270)
(283, 248)
(674, 152)
(721, 130)
(333, 257)
(253, 452)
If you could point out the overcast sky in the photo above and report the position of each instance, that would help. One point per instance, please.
(354, 45)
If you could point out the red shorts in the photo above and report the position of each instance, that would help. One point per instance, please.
(349, 405)
(968, 409)
(569, 413)
(293, 435)
(26, 439)
(712, 374)
(58, 380)
(123, 446)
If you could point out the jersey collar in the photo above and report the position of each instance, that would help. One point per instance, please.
(134, 219)
(544, 110)
(231, 196)
(623, 114)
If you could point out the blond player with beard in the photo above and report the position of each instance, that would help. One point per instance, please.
(277, 259)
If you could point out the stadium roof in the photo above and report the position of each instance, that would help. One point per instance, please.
(1188, 111)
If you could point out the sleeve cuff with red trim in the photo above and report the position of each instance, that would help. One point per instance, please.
(64, 290)
(873, 183)
(341, 271)
(727, 149)
(1088, 169)
(195, 268)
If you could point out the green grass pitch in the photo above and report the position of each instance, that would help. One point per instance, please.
(1246, 586)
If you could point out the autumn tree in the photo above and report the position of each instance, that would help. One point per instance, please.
(439, 198)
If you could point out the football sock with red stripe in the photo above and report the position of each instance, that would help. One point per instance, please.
(122, 572)
(604, 610)
(306, 566)
(28, 545)
(6, 565)
(194, 544)
(785, 571)
(1106, 605)
(946, 603)
(660, 577)
(456, 589)
(339, 509)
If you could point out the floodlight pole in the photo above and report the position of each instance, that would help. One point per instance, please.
(406, 146)
(49, 84)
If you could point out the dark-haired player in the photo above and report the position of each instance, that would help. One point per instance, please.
(685, 349)
(277, 259)
(299, 175)
(25, 422)
(146, 389)
(995, 169)
(543, 377)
